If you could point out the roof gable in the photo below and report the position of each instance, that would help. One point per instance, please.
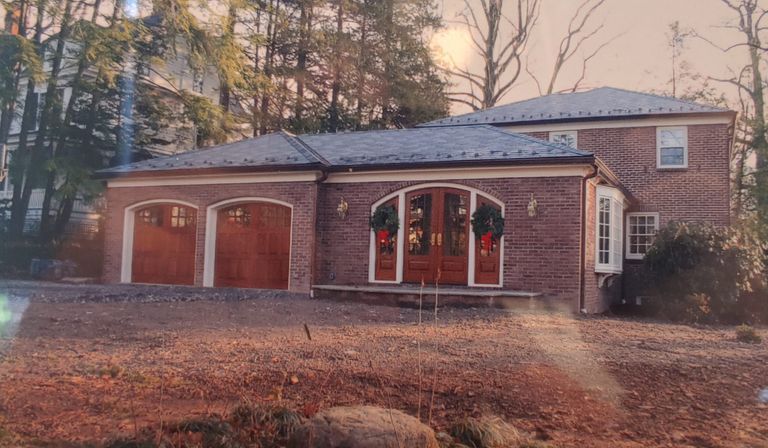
(600, 103)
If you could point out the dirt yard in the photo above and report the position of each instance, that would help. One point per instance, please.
(80, 364)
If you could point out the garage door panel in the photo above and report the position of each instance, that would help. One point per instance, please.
(164, 245)
(256, 235)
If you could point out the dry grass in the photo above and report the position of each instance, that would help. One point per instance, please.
(745, 333)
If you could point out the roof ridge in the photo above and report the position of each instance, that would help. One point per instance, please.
(664, 97)
(304, 148)
(439, 120)
(576, 151)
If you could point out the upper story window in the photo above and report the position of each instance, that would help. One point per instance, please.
(672, 147)
(567, 138)
(641, 231)
(610, 210)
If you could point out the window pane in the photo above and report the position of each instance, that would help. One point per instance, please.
(420, 224)
(671, 137)
(672, 156)
(455, 222)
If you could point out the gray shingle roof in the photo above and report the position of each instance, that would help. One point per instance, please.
(391, 148)
(426, 145)
(603, 102)
(273, 150)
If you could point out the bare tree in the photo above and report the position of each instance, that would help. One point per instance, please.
(750, 21)
(578, 33)
(501, 53)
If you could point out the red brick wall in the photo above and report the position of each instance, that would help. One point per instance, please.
(303, 197)
(699, 193)
(541, 254)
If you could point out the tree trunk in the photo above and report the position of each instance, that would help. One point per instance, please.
(61, 142)
(361, 66)
(21, 155)
(305, 24)
(268, 61)
(225, 90)
(334, 121)
(43, 150)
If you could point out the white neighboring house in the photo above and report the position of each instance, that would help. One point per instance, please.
(172, 76)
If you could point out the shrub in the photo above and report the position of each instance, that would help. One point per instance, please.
(702, 272)
(745, 333)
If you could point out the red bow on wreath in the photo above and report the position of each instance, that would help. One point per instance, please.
(486, 240)
(383, 235)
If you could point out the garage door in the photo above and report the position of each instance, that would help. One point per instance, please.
(253, 243)
(164, 245)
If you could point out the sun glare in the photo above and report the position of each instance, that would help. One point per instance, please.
(452, 47)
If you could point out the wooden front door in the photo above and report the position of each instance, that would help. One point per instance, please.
(253, 244)
(164, 245)
(437, 233)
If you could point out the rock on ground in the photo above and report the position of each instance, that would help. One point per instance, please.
(363, 427)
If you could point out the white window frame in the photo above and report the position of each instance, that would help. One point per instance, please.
(574, 134)
(659, 130)
(616, 223)
(628, 254)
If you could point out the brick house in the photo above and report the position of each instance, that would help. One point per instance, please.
(582, 180)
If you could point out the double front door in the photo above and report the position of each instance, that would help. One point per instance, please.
(437, 236)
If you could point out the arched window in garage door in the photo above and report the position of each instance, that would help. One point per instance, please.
(253, 245)
(164, 245)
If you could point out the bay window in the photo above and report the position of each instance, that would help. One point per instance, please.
(608, 240)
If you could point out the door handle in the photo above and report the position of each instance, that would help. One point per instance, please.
(434, 235)
(439, 239)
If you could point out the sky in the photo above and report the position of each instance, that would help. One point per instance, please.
(637, 58)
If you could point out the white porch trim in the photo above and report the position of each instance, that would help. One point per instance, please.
(215, 179)
(465, 173)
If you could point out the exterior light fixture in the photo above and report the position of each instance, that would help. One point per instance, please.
(343, 208)
(533, 207)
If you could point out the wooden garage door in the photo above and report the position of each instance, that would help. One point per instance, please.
(253, 243)
(164, 245)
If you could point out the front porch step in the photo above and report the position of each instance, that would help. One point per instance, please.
(408, 296)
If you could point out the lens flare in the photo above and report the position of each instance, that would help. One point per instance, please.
(11, 311)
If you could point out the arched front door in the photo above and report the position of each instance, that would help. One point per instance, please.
(253, 244)
(437, 236)
(164, 245)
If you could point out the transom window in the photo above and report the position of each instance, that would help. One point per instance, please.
(239, 216)
(672, 147)
(567, 138)
(152, 216)
(610, 209)
(181, 217)
(641, 231)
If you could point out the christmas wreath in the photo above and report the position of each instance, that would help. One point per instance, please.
(385, 222)
(487, 222)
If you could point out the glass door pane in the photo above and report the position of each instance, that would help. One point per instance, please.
(455, 225)
(420, 224)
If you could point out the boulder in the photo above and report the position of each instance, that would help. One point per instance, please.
(363, 427)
